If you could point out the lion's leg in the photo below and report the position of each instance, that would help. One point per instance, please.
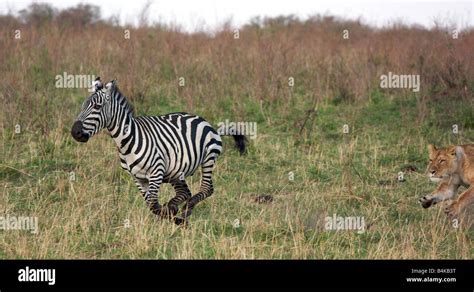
(445, 191)
(464, 200)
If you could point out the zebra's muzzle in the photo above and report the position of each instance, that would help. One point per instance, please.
(77, 132)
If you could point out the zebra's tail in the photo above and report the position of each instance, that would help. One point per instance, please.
(240, 141)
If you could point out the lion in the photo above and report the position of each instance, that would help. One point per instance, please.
(452, 167)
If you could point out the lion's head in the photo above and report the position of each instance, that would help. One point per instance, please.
(443, 162)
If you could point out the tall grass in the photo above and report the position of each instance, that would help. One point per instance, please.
(244, 79)
(218, 67)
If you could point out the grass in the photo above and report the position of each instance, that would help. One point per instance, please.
(333, 173)
(301, 156)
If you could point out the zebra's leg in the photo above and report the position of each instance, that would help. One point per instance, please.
(182, 194)
(142, 185)
(206, 189)
(151, 195)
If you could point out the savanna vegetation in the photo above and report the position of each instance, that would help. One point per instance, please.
(301, 157)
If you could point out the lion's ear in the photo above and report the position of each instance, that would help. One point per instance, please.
(432, 149)
(452, 150)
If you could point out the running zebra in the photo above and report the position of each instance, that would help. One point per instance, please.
(155, 149)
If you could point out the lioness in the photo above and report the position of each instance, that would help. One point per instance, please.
(452, 166)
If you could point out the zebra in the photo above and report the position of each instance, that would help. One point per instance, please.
(155, 149)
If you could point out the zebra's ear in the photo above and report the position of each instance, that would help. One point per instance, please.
(97, 84)
(109, 89)
(111, 86)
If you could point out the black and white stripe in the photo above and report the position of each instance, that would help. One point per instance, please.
(155, 149)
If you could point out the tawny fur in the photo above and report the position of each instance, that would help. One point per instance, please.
(453, 167)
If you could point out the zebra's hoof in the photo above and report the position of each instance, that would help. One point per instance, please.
(168, 211)
(180, 221)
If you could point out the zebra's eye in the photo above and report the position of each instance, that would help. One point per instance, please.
(97, 106)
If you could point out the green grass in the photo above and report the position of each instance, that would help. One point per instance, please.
(352, 174)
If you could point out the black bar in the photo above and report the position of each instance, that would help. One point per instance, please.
(241, 273)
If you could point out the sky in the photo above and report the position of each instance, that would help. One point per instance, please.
(210, 14)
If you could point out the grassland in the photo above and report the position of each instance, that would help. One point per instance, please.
(352, 174)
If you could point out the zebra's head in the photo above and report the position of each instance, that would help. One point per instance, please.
(95, 113)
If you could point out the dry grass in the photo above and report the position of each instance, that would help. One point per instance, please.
(243, 79)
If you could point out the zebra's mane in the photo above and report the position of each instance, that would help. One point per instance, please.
(122, 99)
